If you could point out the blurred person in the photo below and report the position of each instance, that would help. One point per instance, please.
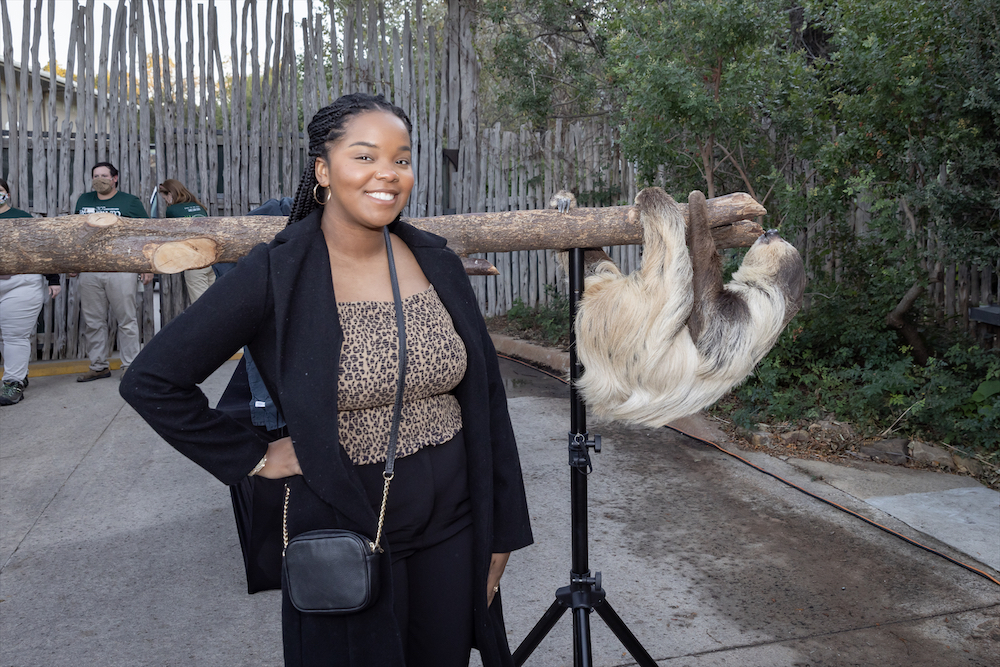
(181, 203)
(104, 291)
(21, 299)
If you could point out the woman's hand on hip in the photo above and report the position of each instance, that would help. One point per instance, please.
(498, 562)
(281, 460)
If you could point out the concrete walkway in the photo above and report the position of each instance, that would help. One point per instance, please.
(115, 550)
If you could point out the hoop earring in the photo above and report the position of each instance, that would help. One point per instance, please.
(316, 197)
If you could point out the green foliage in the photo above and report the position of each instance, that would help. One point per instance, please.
(837, 359)
(698, 80)
(865, 126)
(542, 59)
(549, 323)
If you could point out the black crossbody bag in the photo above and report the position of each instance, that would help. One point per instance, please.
(332, 571)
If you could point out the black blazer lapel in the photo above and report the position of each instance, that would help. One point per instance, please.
(308, 343)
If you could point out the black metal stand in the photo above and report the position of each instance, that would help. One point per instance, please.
(584, 593)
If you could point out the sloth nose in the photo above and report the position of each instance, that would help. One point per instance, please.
(771, 235)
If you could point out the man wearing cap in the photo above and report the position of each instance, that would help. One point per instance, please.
(101, 291)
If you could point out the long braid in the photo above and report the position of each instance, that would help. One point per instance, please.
(326, 126)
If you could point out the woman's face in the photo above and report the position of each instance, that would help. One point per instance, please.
(4, 198)
(167, 197)
(367, 171)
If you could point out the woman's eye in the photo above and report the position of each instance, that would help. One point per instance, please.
(404, 162)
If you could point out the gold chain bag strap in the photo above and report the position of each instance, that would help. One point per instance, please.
(332, 571)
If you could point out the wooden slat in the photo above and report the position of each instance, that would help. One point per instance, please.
(168, 156)
(51, 148)
(204, 186)
(212, 145)
(69, 102)
(107, 75)
(142, 81)
(178, 169)
(18, 177)
(293, 119)
(227, 148)
(253, 163)
(139, 181)
(335, 71)
(11, 102)
(38, 144)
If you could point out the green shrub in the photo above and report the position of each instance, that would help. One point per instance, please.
(822, 364)
(545, 323)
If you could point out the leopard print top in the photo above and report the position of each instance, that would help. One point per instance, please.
(369, 368)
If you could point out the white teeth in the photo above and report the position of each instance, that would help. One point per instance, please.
(384, 196)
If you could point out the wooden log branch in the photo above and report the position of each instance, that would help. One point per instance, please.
(105, 242)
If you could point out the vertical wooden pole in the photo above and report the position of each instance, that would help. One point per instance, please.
(38, 161)
(206, 122)
(335, 80)
(192, 122)
(69, 103)
(13, 155)
(169, 156)
(52, 158)
(19, 171)
(137, 177)
(210, 113)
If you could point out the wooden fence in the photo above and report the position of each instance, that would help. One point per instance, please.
(217, 118)
(233, 133)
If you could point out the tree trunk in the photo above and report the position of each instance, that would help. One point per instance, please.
(105, 242)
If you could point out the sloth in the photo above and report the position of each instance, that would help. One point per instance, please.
(670, 339)
(563, 201)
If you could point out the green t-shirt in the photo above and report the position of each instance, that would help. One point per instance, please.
(15, 213)
(123, 204)
(186, 210)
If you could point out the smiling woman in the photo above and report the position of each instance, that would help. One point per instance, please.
(457, 507)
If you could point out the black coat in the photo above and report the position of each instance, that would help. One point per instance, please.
(279, 300)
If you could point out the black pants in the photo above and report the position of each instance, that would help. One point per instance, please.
(428, 530)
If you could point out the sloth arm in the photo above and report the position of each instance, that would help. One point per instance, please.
(706, 265)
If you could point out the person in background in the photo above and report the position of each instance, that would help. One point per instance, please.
(21, 299)
(100, 292)
(182, 204)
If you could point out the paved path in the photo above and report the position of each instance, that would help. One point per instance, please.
(115, 550)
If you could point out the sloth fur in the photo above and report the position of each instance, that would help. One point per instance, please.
(670, 339)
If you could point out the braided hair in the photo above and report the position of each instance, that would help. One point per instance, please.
(326, 126)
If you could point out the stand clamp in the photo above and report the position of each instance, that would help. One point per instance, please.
(579, 454)
(584, 592)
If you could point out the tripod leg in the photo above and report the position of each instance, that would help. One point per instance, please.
(581, 638)
(537, 634)
(625, 636)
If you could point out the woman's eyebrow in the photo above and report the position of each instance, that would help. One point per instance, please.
(368, 144)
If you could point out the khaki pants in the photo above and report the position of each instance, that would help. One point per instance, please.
(100, 292)
(197, 281)
(21, 298)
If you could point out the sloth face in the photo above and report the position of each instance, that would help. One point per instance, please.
(773, 261)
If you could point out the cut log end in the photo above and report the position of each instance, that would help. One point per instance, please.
(102, 220)
(177, 256)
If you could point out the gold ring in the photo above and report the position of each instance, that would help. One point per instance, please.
(496, 588)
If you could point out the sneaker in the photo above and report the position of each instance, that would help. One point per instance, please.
(13, 392)
(94, 375)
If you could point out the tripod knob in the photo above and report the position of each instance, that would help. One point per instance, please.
(595, 443)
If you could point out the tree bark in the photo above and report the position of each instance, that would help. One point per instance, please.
(105, 242)
(907, 329)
